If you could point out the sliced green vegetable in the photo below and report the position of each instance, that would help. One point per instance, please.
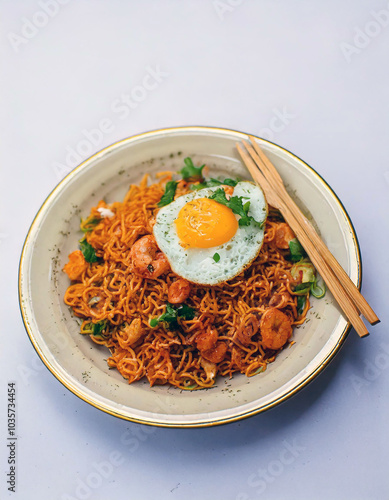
(88, 251)
(190, 172)
(317, 291)
(171, 315)
(297, 252)
(302, 289)
(89, 224)
(259, 370)
(301, 299)
(216, 257)
(95, 329)
(303, 272)
(190, 387)
(168, 196)
(99, 327)
(235, 203)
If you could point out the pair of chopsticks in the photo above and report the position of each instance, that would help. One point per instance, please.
(338, 282)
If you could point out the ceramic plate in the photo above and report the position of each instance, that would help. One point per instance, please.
(81, 365)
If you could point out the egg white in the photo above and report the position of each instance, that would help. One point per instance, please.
(197, 264)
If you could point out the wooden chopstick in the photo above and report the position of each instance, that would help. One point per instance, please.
(270, 172)
(325, 271)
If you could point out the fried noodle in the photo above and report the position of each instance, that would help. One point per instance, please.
(108, 293)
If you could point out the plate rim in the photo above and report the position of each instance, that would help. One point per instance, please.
(236, 416)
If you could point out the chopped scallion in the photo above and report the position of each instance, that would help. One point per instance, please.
(216, 257)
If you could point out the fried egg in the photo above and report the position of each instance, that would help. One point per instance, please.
(202, 239)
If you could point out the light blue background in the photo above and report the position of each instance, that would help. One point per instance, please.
(303, 74)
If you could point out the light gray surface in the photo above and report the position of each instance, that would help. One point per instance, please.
(304, 75)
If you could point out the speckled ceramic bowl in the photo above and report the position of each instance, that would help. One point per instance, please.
(80, 364)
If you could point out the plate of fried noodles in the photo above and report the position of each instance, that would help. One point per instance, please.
(157, 284)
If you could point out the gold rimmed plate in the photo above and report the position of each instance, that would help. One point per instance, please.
(81, 365)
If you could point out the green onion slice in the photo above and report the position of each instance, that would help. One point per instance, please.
(317, 291)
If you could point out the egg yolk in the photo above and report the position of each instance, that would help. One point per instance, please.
(205, 223)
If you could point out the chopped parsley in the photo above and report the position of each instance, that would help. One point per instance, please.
(235, 203)
(190, 172)
(216, 257)
(168, 196)
(171, 315)
(88, 251)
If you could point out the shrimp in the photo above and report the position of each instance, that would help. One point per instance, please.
(276, 328)
(178, 291)
(134, 331)
(209, 347)
(206, 340)
(131, 333)
(146, 258)
(216, 354)
(76, 265)
(248, 327)
(283, 236)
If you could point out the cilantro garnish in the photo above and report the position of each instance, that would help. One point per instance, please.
(88, 251)
(214, 182)
(230, 182)
(168, 196)
(190, 172)
(172, 314)
(235, 203)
